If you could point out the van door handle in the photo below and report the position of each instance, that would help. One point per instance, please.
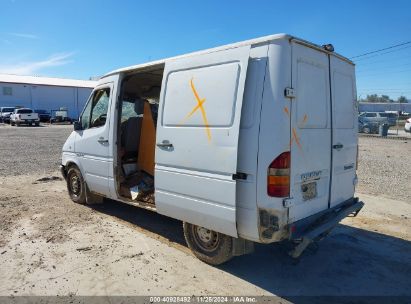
(101, 140)
(165, 144)
(338, 147)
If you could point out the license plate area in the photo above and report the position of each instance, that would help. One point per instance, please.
(309, 190)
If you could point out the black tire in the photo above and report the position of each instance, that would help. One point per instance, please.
(11, 123)
(76, 186)
(36, 124)
(218, 248)
(366, 130)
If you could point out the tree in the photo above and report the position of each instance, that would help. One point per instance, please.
(372, 98)
(385, 98)
(402, 99)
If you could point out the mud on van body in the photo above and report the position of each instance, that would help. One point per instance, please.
(249, 142)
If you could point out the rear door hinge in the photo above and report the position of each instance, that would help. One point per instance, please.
(288, 202)
(240, 175)
(289, 93)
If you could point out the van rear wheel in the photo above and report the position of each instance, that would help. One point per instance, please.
(76, 185)
(207, 245)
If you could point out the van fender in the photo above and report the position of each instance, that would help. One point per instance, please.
(69, 159)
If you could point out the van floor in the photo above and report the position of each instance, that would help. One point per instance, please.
(136, 179)
(139, 188)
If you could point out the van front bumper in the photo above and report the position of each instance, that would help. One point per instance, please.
(317, 226)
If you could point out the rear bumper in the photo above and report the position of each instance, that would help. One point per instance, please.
(319, 225)
(23, 121)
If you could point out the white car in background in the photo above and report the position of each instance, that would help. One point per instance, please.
(5, 113)
(24, 116)
(407, 126)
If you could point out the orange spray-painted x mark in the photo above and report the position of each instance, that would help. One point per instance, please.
(199, 105)
(294, 135)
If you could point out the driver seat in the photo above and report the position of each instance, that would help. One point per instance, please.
(131, 138)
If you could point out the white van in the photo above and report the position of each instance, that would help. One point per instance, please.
(250, 142)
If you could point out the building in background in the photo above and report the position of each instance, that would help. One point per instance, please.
(384, 106)
(44, 93)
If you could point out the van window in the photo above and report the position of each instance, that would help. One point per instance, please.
(198, 100)
(131, 109)
(95, 112)
(344, 101)
(371, 115)
(312, 105)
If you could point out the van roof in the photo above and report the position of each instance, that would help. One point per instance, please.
(254, 41)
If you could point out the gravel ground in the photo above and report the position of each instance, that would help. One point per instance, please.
(384, 168)
(26, 150)
(51, 246)
(384, 164)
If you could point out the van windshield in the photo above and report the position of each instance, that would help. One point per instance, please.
(7, 110)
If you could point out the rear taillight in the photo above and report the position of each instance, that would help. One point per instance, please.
(278, 176)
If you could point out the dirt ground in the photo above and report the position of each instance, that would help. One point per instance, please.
(51, 246)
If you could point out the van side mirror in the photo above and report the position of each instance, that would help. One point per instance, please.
(77, 126)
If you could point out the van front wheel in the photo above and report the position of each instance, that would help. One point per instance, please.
(207, 245)
(76, 186)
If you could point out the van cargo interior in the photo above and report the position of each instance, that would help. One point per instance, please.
(139, 99)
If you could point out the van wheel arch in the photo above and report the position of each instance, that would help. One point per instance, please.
(86, 196)
(217, 250)
(76, 186)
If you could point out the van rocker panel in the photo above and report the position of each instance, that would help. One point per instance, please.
(198, 200)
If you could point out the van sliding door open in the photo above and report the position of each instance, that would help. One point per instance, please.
(197, 138)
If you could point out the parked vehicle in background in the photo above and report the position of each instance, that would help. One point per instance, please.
(60, 116)
(391, 116)
(407, 126)
(24, 116)
(5, 113)
(44, 115)
(380, 117)
(367, 127)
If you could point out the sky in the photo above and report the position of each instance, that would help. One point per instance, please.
(79, 39)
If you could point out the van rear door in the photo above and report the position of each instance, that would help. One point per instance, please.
(197, 138)
(345, 127)
(310, 142)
